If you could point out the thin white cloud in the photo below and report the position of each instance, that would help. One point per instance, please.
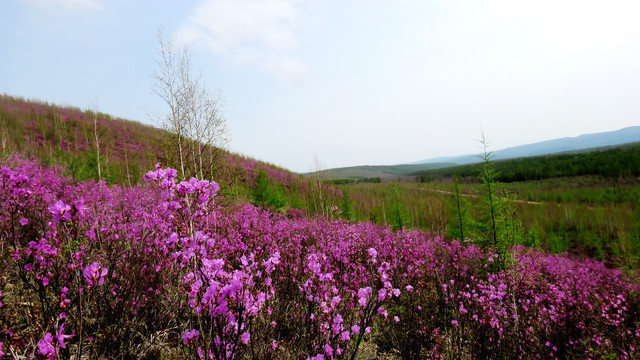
(248, 32)
(70, 5)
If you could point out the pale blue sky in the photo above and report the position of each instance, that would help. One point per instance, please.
(352, 82)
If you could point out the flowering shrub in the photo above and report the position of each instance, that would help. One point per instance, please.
(166, 270)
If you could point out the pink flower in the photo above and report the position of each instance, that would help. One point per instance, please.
(190, 336)
(61, 337)
(245, 338)
(60, 210)
(382, 311)
(372, 253)
(345, 336)
(24, 221)
(355, 329)
(328, 350)
(363, 295)
(1, 353)
(382, 293)
(46, 348)
(93, 273)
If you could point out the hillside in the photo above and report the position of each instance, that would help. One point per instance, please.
(383, 172)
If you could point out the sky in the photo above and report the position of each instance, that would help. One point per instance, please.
(343, 83)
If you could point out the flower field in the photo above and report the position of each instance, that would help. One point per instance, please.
(165, 270)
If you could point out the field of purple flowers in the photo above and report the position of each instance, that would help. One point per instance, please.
(164, 270)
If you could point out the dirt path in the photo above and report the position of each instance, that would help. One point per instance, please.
(476, 196)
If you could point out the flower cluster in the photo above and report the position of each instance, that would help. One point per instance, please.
(104, 271)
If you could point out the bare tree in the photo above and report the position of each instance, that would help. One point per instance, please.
(317, 188)
(196, 129)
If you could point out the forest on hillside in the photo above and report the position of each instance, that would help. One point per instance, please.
(610, 163)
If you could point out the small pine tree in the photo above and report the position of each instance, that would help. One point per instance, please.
(458, 226)
(265, 194)
(399, 216)
(500, 226)
(345, 206)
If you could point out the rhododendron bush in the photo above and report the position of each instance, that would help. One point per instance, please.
(164, 270)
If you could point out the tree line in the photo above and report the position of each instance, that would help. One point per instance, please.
(619, 162)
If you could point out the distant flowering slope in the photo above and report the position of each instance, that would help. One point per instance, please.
(163, 268)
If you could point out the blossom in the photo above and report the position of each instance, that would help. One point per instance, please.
(245, 338)
(383, 311)
(60, 210)
(46, 348)
(355, 329)
(190, 336)
(382, 293)
(345, 336)
(24, 221)
(328, 350)
(93, 273)
(363, 295)
(61, 337)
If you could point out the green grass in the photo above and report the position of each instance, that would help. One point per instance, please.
(581, 216)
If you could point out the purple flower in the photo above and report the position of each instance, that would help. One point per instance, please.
(355, 329)
(93, 273)
(363, 295)
(46, 348)
(190, 336)
(328, 350)
(1, 353)
(61, 337)
(60, 210)
(345, 336)
(24, 221)
(383, 312)
(382, 293)
(245, 338)
(372, 253)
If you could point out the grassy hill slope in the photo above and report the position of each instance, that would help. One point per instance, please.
(64, 136)
(384, 172)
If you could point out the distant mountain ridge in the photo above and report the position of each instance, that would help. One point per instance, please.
(566, 144)
(586, 142)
